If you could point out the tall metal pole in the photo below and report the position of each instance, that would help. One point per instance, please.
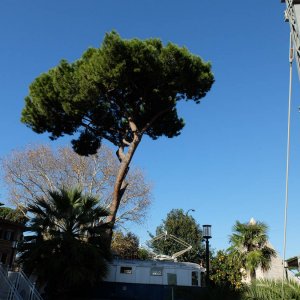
(287, 165)
(207, 262)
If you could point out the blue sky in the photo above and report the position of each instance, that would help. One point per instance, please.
(229, 162)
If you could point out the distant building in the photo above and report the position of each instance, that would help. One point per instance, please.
(293, 264)
(11, 231)
(276, 270)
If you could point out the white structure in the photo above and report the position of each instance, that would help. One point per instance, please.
(155, 272)
(292, 15)
(165, 235)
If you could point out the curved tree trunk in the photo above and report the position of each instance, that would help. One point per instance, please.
(125, 159)
(120, 184)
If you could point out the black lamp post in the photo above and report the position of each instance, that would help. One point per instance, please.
(187, 212)
(206, 233)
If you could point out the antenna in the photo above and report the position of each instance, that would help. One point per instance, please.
(292, 15)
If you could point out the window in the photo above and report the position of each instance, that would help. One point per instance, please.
(195, 278)
(3, 258)
(1, 233)
(126, 270)
(172, 279)
(156, 271)
(7, 235)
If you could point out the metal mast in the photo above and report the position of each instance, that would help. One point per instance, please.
(292, 15)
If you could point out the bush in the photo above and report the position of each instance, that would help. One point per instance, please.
(272, 290)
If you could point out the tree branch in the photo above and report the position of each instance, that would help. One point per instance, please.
(153, 120)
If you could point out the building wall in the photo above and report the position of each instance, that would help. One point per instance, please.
(274, 273)
(10, 232)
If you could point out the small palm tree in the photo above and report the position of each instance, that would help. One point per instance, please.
(68, 247)
(249, 244)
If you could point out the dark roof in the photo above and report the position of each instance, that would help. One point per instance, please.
(12, 223)
(293, 262)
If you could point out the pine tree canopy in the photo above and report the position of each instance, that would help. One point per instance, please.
(110, 88)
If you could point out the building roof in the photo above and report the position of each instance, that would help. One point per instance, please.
(156, 263)
(293, 262)
(14, 224)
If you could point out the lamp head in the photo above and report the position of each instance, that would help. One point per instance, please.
(206, 231)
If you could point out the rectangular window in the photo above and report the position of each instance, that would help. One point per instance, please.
(156, 271)
(195, 278)
(7, 235)
(172, 279)
(3, 258)
(126, 270)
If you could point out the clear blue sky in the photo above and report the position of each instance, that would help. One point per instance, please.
(229, 162)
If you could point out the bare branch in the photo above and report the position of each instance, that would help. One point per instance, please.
(30, 173)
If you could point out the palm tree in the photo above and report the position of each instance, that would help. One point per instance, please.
(68, 247)
(249, 244)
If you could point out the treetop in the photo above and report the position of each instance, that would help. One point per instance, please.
(114, 91)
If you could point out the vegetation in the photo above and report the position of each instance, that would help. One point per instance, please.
(68, 247)
(30, 173)
(127, 246)
(119, 92)
(249, 244)
(226, 271)
(273, 290)
(182, 226)
(13, 215)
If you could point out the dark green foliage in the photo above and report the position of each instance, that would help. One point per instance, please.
(68, 248)
(144, 254)
(226, 271)
(13, 215)
(184, 227)
(123, 81)
(127, 246)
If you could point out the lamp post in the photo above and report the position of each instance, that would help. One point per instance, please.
(207, 235)
(187, 212)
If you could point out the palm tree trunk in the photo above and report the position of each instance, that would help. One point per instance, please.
(252, 275)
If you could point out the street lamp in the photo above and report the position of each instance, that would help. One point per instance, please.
(187, 212)
(206, 233)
